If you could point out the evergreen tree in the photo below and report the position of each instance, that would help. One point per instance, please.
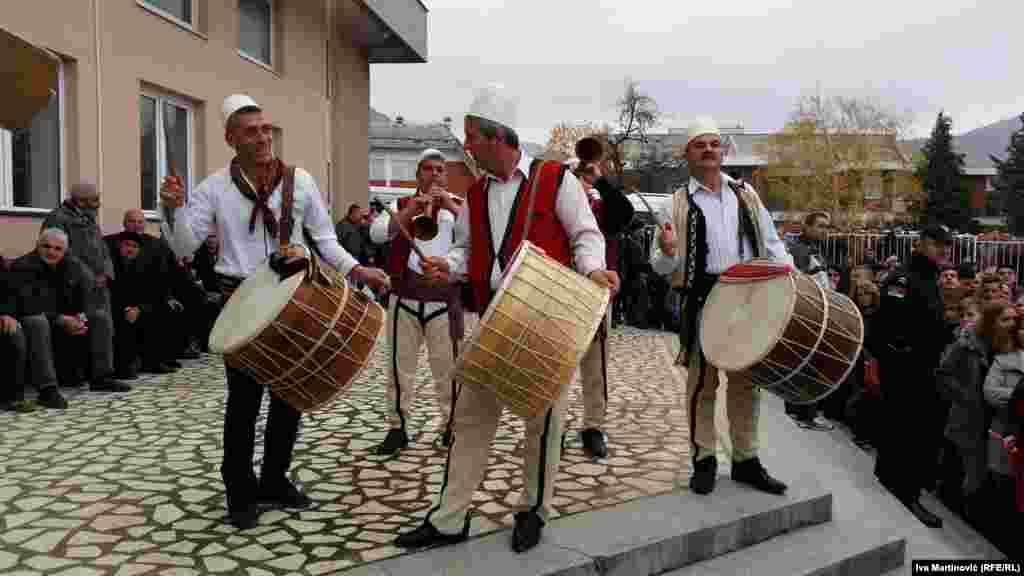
(1010, 181)
(940, 173)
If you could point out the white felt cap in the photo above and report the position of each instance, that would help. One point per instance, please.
(700, 126)
(493, 103)
(234, 103)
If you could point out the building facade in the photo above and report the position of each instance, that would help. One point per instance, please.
(141, 84)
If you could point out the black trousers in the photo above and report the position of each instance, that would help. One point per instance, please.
(13, 356)
(911, 438)
(240, 414)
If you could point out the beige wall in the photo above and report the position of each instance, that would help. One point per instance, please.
(139, 49)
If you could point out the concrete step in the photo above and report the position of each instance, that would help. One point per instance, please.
(638, 538)
(830, 549)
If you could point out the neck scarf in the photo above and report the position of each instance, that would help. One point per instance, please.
(259, 197)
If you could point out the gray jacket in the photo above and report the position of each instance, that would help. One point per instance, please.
(961, 374)
(85, 240)
(1003, 378)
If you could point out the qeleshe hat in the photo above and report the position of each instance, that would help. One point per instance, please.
(700, 126)
(493, 103)
(237, 102)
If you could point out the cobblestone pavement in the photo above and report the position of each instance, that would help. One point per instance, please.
(129, 484)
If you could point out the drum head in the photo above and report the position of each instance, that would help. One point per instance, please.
(255, 304)
(742, 322)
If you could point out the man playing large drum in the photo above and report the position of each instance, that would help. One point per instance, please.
(242, 204)
(419, 312)
(489, 229)
(720, 222)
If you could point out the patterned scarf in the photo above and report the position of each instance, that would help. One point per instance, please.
(260, 196)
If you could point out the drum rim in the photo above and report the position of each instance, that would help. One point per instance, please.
(860, 346)
(292, 284)
(782, 327)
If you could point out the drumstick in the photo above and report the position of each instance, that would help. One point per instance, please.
(404, 232)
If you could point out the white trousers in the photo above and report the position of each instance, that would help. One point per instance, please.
(477, 413)
(594, 379)
(412, 323)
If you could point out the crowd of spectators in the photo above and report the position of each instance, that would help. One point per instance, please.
(85, 308)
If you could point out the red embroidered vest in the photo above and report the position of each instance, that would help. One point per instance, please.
(398, 254)
(546, 231)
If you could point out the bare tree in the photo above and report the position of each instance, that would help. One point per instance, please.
(637, 114)
(833, 150)
(562, 142)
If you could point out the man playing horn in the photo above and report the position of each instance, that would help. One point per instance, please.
(419, 312)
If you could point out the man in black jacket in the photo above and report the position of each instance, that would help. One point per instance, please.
(613, 212)
(51, 294)
(910, 332)
(135, 298)
(807, 251)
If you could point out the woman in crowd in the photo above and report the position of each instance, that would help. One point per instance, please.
(961, 374)
(864, 392)
(1003, 389)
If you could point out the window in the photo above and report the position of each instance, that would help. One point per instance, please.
(177, 9)
(255, 36)
(31, 161)
(378, 168)
(165, 143)
(403, 169)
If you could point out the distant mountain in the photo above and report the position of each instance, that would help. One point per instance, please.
(978, 144)
(982, 142)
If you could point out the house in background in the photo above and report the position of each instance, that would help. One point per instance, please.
(142, 82)
(395, 148)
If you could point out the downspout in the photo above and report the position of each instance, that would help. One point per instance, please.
(99, 97)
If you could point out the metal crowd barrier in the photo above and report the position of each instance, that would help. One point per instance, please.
(843, 250)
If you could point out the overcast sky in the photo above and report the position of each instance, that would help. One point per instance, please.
(741, 61)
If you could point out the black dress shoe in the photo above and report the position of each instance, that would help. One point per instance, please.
(526, 533)
(108, 385)
(190, 353)
(243, 516)
(753, 473)
(705, 472)
(126, 375)
(593, 443)
(50, 397)
(284, 495)
(396, 440)
(173, 364)
(923, 514)
(426, 536)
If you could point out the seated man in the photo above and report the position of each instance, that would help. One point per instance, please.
(50, 293)
(206, 278)
(133, 299)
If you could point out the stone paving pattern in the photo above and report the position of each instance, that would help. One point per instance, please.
(129, 484)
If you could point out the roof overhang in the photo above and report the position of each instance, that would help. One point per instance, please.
(28, 77)
(391, 31)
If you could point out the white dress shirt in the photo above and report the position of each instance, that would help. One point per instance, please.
(722, 224)
(571, 208)
(218, 203)
(439, 246)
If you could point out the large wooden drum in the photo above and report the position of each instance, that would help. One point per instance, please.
(533, 334)
(786, 333)
(306, 337)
